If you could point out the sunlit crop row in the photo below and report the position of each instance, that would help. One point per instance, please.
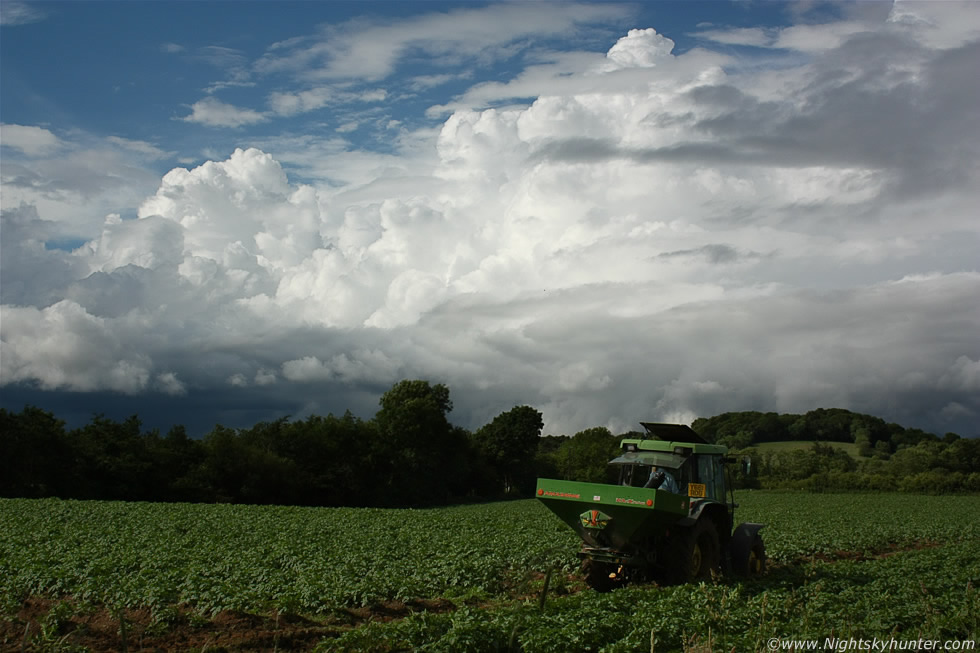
(216, 557)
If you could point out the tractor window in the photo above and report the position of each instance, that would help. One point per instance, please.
(627, 475)
(634, 466)
(631, 475)
(658, 458)
(711, 472)
(684, 476)
(719, 478)
(638, 475)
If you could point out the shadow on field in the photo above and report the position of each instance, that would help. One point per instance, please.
(810, 568)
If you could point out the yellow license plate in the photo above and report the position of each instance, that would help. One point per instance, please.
(695, 490)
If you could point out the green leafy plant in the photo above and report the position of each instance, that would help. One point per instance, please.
(848, 565)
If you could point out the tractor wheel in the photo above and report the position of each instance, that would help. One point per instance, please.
(695, 553)
(746, 551)
(598, 575)
(757, 557)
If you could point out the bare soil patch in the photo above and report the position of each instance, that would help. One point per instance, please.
(46, 623)
(879, 553)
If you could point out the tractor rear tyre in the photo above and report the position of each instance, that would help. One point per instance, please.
(757, 557)
(746, 551)
(599, 575)
(695, 553)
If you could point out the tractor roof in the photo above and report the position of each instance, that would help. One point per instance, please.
(678, 447)
(673, 432)
(673, 438)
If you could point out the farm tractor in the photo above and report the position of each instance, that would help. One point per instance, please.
(666, 520)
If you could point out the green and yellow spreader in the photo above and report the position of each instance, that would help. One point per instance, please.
(666, 520)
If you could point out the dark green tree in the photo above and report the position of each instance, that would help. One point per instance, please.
(586, 456)
(35, 456)
(177, 456)
(112, 461)
(419, 454)
(510, 443)
(334, 458)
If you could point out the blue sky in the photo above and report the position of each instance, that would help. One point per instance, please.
(614, 212)
(136, 70)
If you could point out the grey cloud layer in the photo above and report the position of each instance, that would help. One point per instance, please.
(654, 237)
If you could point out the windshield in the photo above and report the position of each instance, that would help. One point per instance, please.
(648, 458)
(635, 466)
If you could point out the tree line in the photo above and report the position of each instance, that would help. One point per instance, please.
(409, 454)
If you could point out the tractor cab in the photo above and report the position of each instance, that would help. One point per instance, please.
(696, 467)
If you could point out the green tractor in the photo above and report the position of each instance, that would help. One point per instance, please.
(667, 519)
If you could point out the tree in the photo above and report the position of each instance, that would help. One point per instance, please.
(882, 450)
(510, 442)
(741, 440)
(226, 464)
(586, 456)
(335, 459)
(417, 446)
(34, 454)
(178, 457)
(112, 460)
(862, 438)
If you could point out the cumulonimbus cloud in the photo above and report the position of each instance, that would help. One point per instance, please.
(656, 237)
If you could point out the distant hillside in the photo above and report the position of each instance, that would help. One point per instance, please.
(835, 449)
(867, 433)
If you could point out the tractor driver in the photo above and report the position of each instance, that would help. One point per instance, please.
(661, 479)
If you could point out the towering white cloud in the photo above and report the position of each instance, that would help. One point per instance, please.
(64, 346)
(641, 48)
(654, 236)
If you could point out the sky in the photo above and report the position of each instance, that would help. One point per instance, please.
(225, 213)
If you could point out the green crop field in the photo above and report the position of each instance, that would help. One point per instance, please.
(96, 575)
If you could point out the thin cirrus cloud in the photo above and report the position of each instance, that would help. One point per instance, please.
(372, 49)
(20, 13)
